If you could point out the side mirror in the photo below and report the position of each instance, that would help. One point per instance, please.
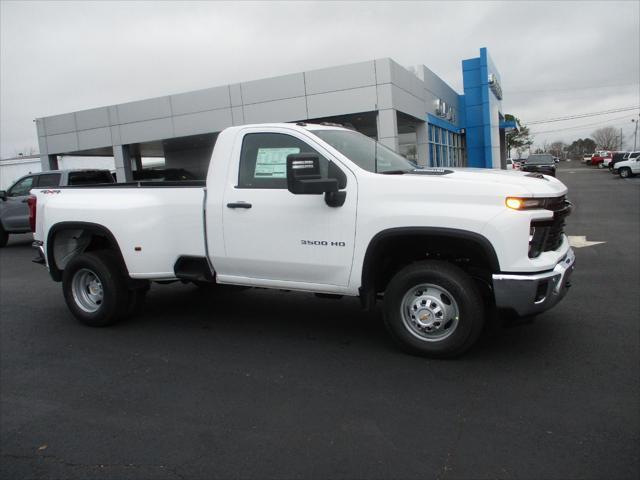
(304, 178)
(3, 195)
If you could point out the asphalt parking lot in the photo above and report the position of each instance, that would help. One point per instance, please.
(262, 384)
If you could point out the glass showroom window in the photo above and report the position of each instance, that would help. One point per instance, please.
(446, 148)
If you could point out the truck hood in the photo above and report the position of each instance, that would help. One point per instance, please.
(513, 182)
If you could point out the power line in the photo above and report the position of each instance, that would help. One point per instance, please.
(571, 89)
(626, 117)
(582, 115)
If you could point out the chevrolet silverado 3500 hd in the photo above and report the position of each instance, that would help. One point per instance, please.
(321, 209)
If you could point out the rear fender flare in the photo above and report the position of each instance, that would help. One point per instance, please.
(93, 228)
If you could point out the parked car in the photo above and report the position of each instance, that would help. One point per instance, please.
(14, 212)
(540, 162)
(606, 161)
(320, 209)
(587, 159)
(629, 167)
(618, 157)
(599, 157)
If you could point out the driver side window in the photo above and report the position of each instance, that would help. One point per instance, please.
(21, 188)
(263, 161)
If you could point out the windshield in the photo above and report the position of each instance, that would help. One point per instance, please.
(539, 159)
(365, 152)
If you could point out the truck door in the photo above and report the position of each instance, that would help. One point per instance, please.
(272, 234)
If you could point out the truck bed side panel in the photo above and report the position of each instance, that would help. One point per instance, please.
(153, 226)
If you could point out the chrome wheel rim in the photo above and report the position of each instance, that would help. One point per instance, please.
(429, 312)
(87, 290)
(624, 173)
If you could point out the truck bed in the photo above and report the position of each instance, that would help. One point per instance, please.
(154, 223)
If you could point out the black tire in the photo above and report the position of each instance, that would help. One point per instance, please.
(625, 172)
(4, 237)
(115, 301)
(465, 294)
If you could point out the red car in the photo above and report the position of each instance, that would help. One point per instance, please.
(600, 157)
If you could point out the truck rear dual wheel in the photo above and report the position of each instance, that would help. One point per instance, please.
(95, 289)
(434, 309)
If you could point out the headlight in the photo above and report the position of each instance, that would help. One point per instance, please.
(524, 203)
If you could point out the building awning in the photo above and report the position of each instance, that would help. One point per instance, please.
(509, 125)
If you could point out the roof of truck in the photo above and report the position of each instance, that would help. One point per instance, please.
(305, 125)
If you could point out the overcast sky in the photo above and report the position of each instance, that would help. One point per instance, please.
(555, 58)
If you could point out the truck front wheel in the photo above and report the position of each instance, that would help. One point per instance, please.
(94, 288)
(625, 172)
(433, 308)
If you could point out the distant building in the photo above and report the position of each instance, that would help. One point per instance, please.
(410, 110)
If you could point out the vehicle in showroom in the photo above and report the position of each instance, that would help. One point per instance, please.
(629, 167)
(14, 212)
(322, 209)
(540, 162)
(162, 175)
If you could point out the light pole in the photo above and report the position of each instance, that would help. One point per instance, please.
(635, 134)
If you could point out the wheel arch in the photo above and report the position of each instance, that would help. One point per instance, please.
(99, 237)
(414, 242)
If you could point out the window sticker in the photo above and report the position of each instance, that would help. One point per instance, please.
(272, 162)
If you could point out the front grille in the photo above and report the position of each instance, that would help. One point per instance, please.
(547, 234)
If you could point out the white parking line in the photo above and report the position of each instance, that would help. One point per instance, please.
(581, 241)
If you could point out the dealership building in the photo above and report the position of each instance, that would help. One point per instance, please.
(413, 111)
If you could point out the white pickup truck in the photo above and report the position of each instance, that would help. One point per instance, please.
(323, 209)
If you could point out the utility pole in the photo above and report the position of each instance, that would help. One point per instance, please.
(635, 134)
(621, 139)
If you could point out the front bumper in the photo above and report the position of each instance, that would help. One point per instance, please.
(530, 294)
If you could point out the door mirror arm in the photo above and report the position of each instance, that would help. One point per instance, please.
(335, 199)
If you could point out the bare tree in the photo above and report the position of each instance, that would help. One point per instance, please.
(557, 148)
(542, 148)
(607, 138)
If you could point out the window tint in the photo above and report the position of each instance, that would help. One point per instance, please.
(90, 177)
(263, 160)
(49, 180)
(22, 187)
